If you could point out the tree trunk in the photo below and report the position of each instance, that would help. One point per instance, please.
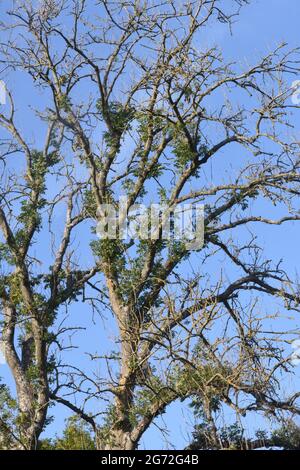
(120, 440)
(32, 404)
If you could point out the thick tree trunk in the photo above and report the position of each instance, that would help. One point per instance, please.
(120, 440)
(32, 402)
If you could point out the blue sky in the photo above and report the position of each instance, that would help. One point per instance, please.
(259, 28)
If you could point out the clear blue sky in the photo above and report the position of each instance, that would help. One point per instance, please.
(260, 27)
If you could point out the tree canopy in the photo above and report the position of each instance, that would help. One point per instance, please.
(126, 99)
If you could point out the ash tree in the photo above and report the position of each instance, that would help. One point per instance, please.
(127, 99)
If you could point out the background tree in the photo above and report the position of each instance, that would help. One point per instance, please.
(287, 436)
(134, 106)
(210, 435)
(76, 436)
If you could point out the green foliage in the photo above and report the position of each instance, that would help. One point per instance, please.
(183, 152)
(244, 200)
(15, 290)
(31, 206)
(228, 437)
(76, 436)
(197, 406)
(5, 254)
(151, 124)
(183, 382)
(155, 393)
(156, 171)
(189, 380)
(38, 169)
(232, 435)
(13, 282)
(261, 434)
(287, 436)
(8, 410)
(109, 250)
(104, 432)
(89, 203)
(186, 152)
(46, 444)
(64, 102)
(128, 185)
(201, 437)
(204, 435)
(119, 117)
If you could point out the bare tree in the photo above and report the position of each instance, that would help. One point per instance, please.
(135, 105)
